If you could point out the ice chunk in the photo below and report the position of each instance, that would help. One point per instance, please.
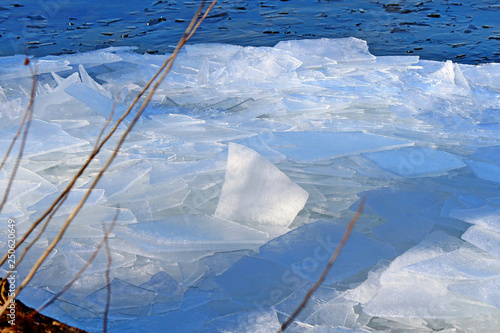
(291, 303)
(407, 294)
(13, 67)
(485, 216)
(487, 290)
(122, 177)
(341, 50)
(18, 188)
(260, 147)
(121, 295)
(95, 58)
(255, 192)
(90, 82)
(406, 213)
(484, 170)
(261, 321)
(306, 251)
(489, 153)
(308, 147)
(96, 101)
(338, 312)
(467, 262)
(485, 239)
(416, 162)
(167, 292)
(71, 201)
(44, 137)
(258, 282)
(196, 233)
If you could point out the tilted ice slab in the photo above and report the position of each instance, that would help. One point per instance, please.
(257, 193)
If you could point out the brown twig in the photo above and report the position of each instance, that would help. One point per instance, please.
(327, 268)
(108, 283)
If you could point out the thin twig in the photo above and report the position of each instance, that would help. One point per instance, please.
(327, 268)
(108, 283)
(82, 270)
(167, 65)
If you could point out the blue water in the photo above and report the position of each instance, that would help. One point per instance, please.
(463, 31)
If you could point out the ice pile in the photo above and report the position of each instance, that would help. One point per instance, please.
(238, 181)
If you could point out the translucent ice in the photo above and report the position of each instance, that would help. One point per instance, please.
(342, 50)
(256, 192)
(195, 233)
(44, 137)
(308, 147)
(416, 162)
(96, 101)
(484, 170)
(484, 238)
(406, 294)
(485, 216)
(487, 290)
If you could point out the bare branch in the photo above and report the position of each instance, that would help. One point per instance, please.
(108, 283)
(327, 268)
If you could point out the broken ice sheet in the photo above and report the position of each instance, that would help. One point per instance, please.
(484, 238)
(18, 188)
(125, 298)
(14, 68)
(488, 171)
(259, 321)
(407, 214)
(123, 177)
(416, 162)
(341, 49)
(43, 138)
(96, 101)
(486, 290)
(72, 200)
(485, 216)
(488, 153)
(197, 233)
(338, 312)
(308, 147)
(468, 262)
(406, 294)
(257, 193)
(320, 297)
(78, 252)
(306, 251)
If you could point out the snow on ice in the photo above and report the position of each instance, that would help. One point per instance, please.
(241, 176)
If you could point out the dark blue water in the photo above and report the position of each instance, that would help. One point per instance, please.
(463, 31)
